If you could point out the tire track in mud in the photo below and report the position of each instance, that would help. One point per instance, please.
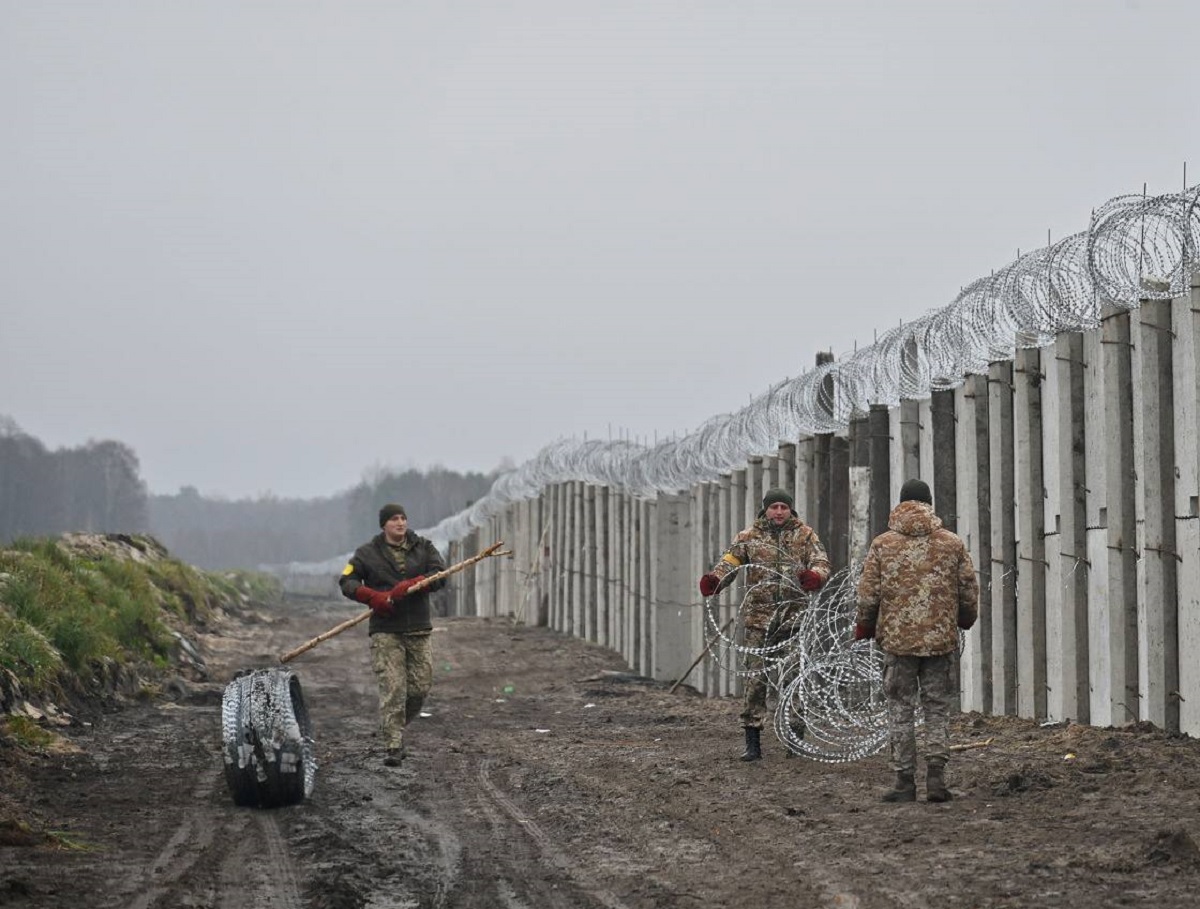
(228, 858)
(183, 849)
(447, 851)
(258, 873)
(550, 854)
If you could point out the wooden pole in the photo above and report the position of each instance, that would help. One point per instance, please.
(492, 550)
(708, 647)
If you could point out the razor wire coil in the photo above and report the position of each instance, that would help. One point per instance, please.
(269, 751)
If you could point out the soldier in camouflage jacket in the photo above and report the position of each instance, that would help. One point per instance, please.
(380, 575)
(784, 562)
(918, 588)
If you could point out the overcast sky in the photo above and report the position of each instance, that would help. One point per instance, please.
(273, 245)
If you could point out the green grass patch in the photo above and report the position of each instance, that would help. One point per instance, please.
(65, 610)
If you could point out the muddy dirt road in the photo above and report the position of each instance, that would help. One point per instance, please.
(545, 776)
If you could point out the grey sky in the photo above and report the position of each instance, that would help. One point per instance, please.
(270, 245)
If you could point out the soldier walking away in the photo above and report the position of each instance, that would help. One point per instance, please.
(785, 562)
(379, 575)
(918, 587)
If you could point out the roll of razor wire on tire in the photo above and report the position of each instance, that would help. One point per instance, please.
(269, 752)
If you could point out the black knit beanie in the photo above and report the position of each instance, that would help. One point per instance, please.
(390, 511)
(916, 491)
(778, 495)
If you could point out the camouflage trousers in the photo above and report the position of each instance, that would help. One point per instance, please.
(403, 665)
(909, 681)
(754, 687)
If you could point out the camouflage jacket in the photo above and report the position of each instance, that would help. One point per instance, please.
(773, 556)
(918, 585)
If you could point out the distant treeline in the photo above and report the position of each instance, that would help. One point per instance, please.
(98, 488)
(247, 533)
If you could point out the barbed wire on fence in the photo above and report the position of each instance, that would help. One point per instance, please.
(1136, 248)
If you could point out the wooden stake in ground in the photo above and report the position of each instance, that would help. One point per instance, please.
(493, 550)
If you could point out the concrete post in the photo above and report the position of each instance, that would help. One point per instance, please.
(754, 489)
(486, 587)
(591, 548)
(522, 559)
(712, 547)
(973, 471)
(578, 549)
(453, 556)
(507, 576)
(785, 472)
(895, 451)
(725, 530)
(629, 547)
(1112, 582)
(1066, 542)
(602, 568)
(860, 488)
(822, 480)
(879, 463)
(905, 461)
(674, 616)
(925, 445)
(938, 461)
(1154, 429)
(703, 517)
(646, 518)
(735, 593)
(769, 473)
(616, 576)
(1031, 536)
(470, 548)
(558, 557)
(636, 559)
(838, 547)
(806, 487)
(1004, 548)
(541, 509)
(1185, 324)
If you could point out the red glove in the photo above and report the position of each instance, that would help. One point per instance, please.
(401, 589)
(709, 584)
(810, 580)
(863, 631)
(379, 601)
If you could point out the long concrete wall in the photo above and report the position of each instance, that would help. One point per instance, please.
(1072, 472)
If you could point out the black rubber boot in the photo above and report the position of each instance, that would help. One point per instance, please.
(904, 790)
(753, 750)
(935, 784)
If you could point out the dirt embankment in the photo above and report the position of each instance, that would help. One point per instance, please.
(546, 776)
